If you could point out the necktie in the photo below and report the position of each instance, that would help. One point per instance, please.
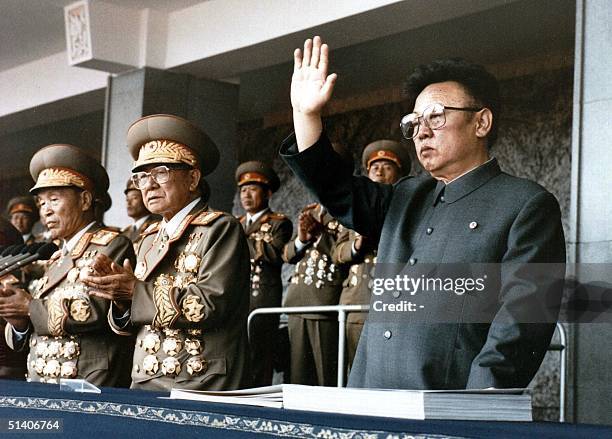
(249, 222)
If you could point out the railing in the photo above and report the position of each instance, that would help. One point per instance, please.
(342, 310)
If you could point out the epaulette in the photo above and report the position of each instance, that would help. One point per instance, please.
(151, 228)
(113, 229)
(205, 218)
(277, 216)
(241, 218)
(104, 236)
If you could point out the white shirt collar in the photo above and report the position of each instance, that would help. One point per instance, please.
(467, 172)
(140, 221)
(256, 216)
(70, 244)
(171, 226)
(26, 237)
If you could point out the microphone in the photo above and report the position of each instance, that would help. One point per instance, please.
(12, 253)
(19, 255)
(43, 253)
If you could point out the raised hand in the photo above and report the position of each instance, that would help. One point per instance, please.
(14, 306)
(311, 87)
(311, 90)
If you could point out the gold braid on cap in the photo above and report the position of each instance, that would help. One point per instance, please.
(165, 151)
(384, 154)
(253, 177)
(21, 207)
(52, 177)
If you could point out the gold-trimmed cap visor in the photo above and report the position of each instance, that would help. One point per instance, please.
(62, 165)
(165, 138)
(257, 172)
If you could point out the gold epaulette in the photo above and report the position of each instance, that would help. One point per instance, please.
(151, 228)
(277, 216)
(205, 218)
(241, 218)
(104, 236)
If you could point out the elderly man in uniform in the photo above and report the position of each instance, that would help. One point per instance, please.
(188, 296)
(138, 212)
(23, 214)
(316, 281)
(65, 327)
(465, 211)
(267, 234)
(384, 161)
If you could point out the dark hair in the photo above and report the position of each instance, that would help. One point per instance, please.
(477, 82)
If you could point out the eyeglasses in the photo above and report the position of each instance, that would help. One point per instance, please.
(159, 174)
(432, 117)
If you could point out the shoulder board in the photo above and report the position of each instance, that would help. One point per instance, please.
(277, 216)
(206, 218)
(151, 228)
(104, 236)
(241, 218)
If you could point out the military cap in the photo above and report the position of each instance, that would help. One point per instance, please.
(129, 186)
(23, 204)
(257, 172)
(386, 150)
(62, 165)
(164, 138)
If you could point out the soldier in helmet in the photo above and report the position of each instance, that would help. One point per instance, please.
(267, 234)
(384, 161)
(188, 298)
(138, 212)
(63, 325)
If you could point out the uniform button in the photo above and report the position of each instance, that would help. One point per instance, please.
(387, 334)
(429, 230)
(442, 199)
(412, 261)
(473, 225)
(396, 294)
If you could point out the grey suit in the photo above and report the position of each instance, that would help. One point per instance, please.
(485, 216)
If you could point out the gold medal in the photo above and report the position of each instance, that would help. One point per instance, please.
(172, 346)
(196, 365)
(191, 262)
(151, 343)
(150, 364)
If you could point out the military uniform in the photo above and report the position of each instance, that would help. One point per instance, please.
(190, 302)
(69, 336)
(25, 204)
(134, 232)
(267, 236)
(316, 281)
(357, 287)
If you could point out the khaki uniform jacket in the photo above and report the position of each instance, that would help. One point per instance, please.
(267, 237)
(316, 280)
(190, 305)
(70, 337)
(136, 235)
(357, 287)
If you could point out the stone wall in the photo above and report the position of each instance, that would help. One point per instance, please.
(534, 142)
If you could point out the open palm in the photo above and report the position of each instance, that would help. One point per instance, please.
(311, 87)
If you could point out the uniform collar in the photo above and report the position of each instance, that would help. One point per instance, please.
(171, 226)
(466, 183)
(255, 217)
(72, 242)
(140, 221)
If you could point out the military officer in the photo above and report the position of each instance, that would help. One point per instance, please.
(65, 328)
(23, 214)
(138, 212)
(384, 161)
(188, 296)
(316, 281)
(267, 234)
